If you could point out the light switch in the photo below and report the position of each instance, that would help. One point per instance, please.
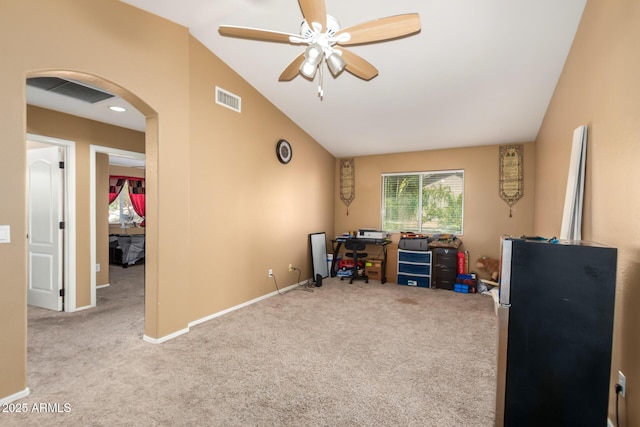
(5, 234)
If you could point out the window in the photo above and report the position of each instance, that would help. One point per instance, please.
(121, 210)
(425, 202)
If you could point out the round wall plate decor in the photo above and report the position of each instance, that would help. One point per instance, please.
(284, 151)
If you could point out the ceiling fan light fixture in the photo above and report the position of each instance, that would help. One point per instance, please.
(321, 32)
(314, 53)
(312, 58)
(308, 70)
(335, 63)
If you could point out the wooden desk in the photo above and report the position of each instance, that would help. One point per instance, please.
(337, 244)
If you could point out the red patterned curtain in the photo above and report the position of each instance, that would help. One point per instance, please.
(137, 195)
(115, 186)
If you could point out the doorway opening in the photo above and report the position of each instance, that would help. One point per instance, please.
(94, 150)
(80, 267)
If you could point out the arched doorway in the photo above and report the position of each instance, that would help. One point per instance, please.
(86, 262)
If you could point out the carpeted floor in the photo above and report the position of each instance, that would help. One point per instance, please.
(342, 355)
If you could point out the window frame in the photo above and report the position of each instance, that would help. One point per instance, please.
(421, 175)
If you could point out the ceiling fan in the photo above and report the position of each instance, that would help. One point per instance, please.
(325, 40)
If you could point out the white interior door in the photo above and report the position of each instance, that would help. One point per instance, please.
(45, 236)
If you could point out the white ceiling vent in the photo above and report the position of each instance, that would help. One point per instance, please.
(227, 99)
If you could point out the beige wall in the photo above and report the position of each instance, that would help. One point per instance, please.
(600, 88)
(486, 215)
(148, 56)
(126, 171)
(209, 172)
(249, 212)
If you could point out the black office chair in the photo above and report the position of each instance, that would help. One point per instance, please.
(356, 253)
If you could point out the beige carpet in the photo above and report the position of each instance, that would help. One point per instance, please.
(343, 355)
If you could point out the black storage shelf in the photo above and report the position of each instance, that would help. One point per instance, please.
(446, 268)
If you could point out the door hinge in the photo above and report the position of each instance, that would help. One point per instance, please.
(61, 165)
(61, 225)
(62, 292)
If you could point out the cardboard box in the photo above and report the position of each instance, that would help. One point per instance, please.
(373, 269)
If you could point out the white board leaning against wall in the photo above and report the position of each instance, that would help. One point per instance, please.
(572, 216)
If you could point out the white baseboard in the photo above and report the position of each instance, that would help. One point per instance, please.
(86, 307)
(239, 306)
(214, 315)
(12, 398)
(103, 286)
(166, 337)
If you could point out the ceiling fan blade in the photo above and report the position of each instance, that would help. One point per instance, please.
(314, 11)
(382, 29)
(357, 66)
(256, 34)
(292, 69)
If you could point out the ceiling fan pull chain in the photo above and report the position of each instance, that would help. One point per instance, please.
(320, 90)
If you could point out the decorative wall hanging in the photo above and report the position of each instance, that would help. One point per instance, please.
(347, 182)
(511, 186)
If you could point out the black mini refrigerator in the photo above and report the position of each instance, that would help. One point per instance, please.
(555, 333)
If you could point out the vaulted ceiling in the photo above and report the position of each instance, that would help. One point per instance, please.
(479, 72)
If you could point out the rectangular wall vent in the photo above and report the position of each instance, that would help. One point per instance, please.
(227, 99)
(75, 90)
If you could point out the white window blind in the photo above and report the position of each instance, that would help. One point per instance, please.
(424, 202)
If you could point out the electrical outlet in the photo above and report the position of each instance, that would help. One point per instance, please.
(97, 268)
(270, 273)
(622, 380)
(290, 267)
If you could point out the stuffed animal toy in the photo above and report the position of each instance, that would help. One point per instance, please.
(491, 265)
